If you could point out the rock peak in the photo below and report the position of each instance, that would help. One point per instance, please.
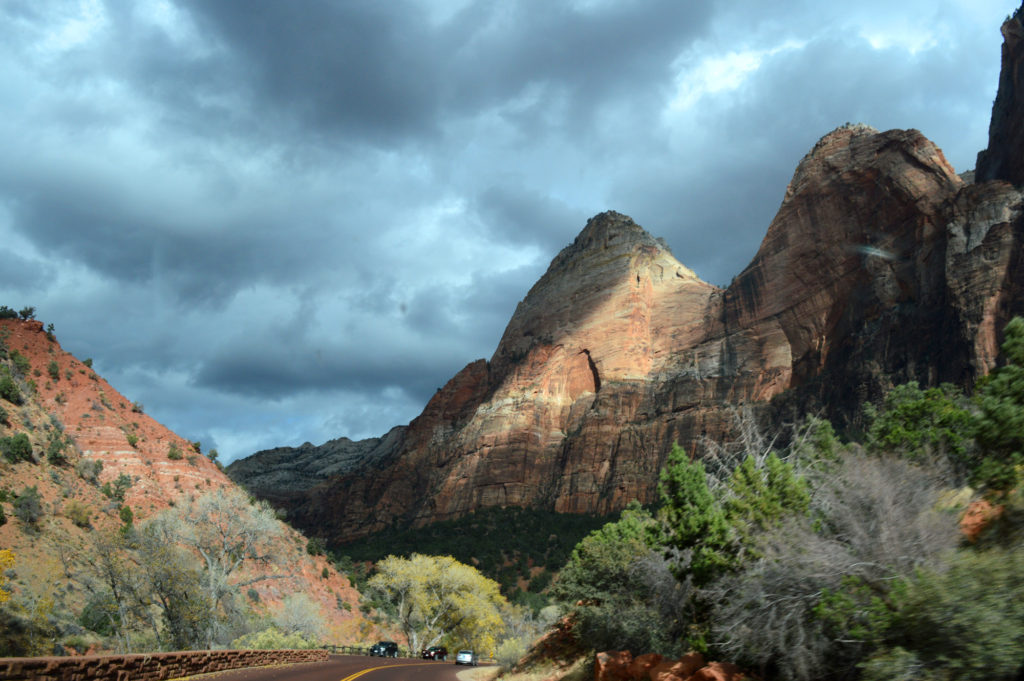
(607, 231)
(610, 226)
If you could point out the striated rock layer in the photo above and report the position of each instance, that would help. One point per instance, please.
(881, 266)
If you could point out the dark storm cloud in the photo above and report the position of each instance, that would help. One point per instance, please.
(275, 370)
(306, 217)
(197, 263)
(526, 215)
(383, 71)
(16, 271)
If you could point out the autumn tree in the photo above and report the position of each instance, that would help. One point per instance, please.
(433, 597)
(6, 563)
(225, 531)
(173, 585)
(107, 572)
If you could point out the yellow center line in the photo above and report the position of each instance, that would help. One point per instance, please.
(350, 677)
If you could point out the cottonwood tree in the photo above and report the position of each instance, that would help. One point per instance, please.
(171, 575)
(226, 532)
(6, 562)
(432, 597)
(108, 571)
(299, 614)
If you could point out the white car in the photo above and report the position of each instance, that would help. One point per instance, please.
(466, 657)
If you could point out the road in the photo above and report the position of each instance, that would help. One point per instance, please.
(347, 668)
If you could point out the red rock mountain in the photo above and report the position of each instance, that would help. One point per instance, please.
(63, 396)
(882, 266)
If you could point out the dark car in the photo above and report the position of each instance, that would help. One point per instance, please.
(384, 649)
(435, 653)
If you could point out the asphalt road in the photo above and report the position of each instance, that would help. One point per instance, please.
(346, 668)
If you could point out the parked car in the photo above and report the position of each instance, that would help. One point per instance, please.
(465, 657)
(384, 649)
(435, 653)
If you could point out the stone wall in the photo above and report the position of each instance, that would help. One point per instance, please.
(146, 667)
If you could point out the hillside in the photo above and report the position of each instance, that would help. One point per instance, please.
(883, 265)
(86, 441)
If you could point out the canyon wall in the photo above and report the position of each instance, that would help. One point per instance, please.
(881, 266)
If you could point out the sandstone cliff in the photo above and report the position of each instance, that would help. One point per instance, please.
(881, 266)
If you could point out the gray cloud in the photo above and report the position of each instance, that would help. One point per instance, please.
(298, 221)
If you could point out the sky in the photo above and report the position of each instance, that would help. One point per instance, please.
(273, 222)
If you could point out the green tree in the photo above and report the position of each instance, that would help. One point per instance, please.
(621, 590)
(1000, 423)
(918, 424)
(117, 489)
(694, 520)
(759, 497)
(431, 597)
(598, 568)
(53, 369)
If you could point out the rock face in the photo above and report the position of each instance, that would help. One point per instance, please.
(881, 266)
(1001, 160)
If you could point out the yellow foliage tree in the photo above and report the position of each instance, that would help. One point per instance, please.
(6, 562)
(435, 598)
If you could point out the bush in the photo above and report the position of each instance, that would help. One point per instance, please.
(53, 370)
(87, 362)
(28, 507)
(274, 639)
(77, 513)
(132, 438)
(16, 448)
(511, 651)
(967, 622)
(4, 418)
(8, 388)
(55, 450)
(174, 452)
(90, 469)
(126, 515)
(21, 364)
(825, 590)
(315, 547)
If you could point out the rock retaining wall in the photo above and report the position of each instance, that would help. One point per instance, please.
(146, 667)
